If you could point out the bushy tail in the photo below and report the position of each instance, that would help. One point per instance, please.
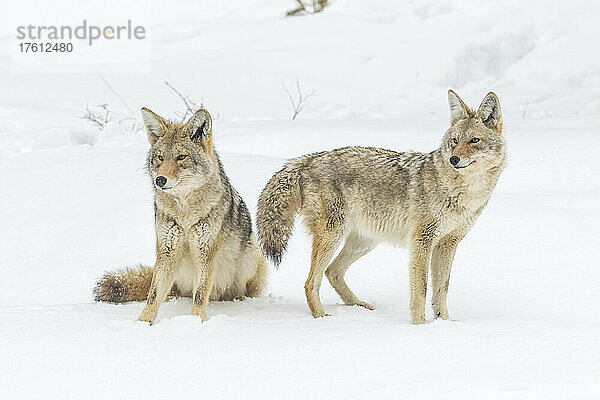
(129, 284)
(278, 205)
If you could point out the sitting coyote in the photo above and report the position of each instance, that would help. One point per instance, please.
(205, 247)
(361, 196)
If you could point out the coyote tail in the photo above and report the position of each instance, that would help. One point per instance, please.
(278, 204)
(121, 286)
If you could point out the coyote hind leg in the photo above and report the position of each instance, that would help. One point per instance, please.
(355, 247)
(324, 245)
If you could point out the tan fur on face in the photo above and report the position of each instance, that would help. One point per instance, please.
(168, 169)
(462, 151)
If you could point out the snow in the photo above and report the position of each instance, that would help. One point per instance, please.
(524, 287)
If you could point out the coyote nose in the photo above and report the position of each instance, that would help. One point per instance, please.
(160, 181)
(453, 160)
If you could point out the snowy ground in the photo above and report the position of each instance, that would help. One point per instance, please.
(524, 290)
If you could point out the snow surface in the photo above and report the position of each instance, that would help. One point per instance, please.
(524, 289)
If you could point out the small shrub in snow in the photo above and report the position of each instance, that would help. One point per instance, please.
(298, 100)
(303, 9)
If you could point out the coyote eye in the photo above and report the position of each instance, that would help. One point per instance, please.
(455, 141)
(160, 158)
(475, 140)
(181, 157)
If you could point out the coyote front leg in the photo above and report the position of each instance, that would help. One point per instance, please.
(202, 249)
(441, 264)
(168, 254)
(203, 282)
(420, 254)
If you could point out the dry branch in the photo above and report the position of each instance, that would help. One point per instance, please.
(190, 105)
(303, 9)
(298, 101)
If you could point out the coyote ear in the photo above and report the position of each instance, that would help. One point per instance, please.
(489, 112)
(200, 126)
(155, 125)
(458, 109)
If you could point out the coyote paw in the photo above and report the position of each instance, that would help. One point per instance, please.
(198, 310)
(364, 304)
(418, 320)
(147, 316)
(315, 315)
(440, 311)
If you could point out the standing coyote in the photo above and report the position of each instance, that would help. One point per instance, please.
(205, 247)
(364, 195)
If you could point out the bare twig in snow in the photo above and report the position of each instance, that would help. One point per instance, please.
(298, 101)
(190, 105)
(302, 9)
(319, 5)
(131, 124)
(115, 93)
(99, 115)
(524, 111)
